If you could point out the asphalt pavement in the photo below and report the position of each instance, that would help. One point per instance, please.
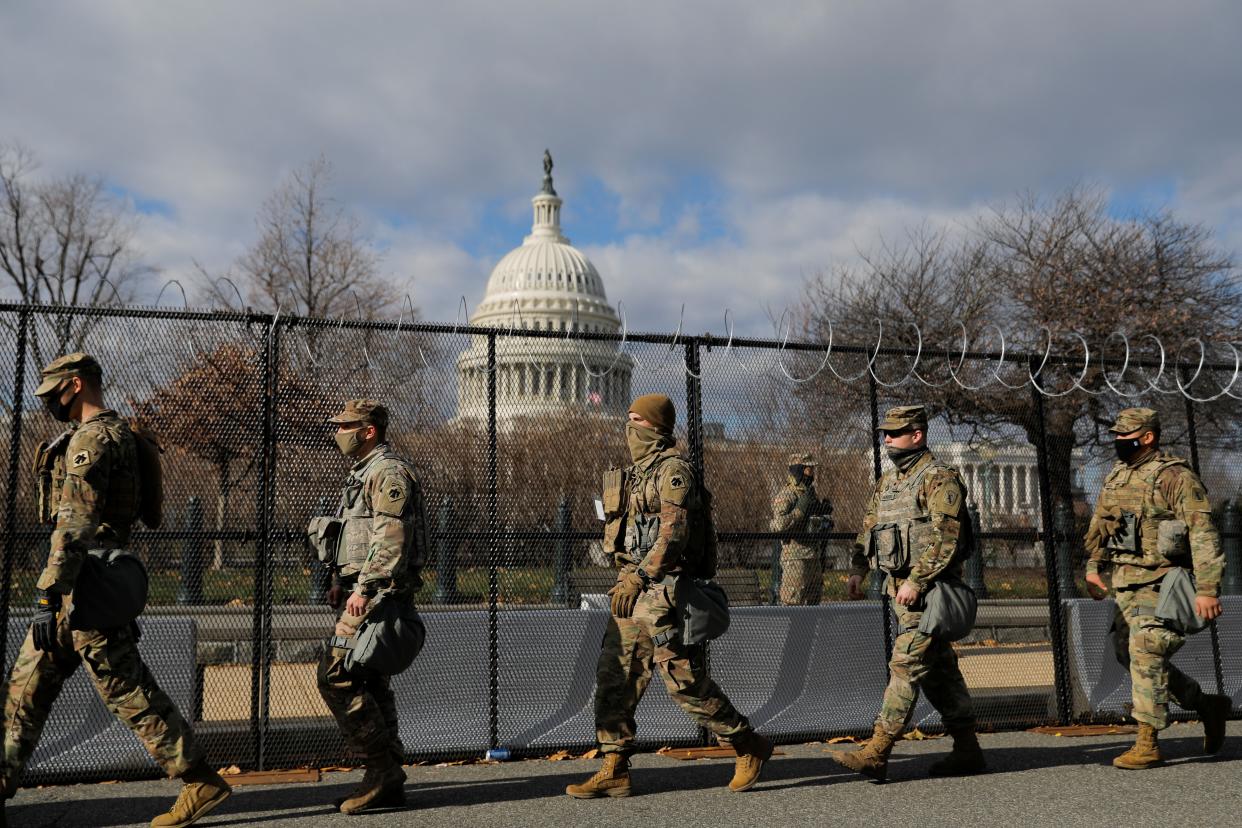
(1034, 779)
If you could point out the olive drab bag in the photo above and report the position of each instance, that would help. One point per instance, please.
(950, 607)
(387, 641)
(1176, 605)
(111, 590)
(150, 475)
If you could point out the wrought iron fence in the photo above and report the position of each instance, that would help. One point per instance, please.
(510, 430)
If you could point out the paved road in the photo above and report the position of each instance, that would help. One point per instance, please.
(1035, 780)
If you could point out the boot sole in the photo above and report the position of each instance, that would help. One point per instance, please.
(839, 758)
(1139, 767)
(394, 798)
(610, 793)
(207, 807)
(751, 783)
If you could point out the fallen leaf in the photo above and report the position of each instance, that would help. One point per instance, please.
(231, 770)
(838, 740)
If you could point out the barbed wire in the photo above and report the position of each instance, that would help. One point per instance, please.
(1047, 371)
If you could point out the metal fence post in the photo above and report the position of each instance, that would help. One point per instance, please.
(493, 555)
(560, 553)
(261, 637)
(974, 564)
(10, 506)
(1063, 522)
(1193, 438)
(1230, 527)
(446, 555)
(190, 590)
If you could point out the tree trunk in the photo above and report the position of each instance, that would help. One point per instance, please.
(222, 510)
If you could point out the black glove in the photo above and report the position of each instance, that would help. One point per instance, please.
(43, 627)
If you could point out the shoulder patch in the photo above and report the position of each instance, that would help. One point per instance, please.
(81, 457)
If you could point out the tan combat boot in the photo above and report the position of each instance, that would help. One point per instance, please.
(872, 758)
(965, 759)
(752, 751)
(1214, 712)
(1145, 753)
(203, 790)
(382, 786)
(613, 779)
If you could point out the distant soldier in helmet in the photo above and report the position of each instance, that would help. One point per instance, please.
(797, 508)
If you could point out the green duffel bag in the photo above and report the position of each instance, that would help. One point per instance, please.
(111, 590)
(949, 610)
(387, 641)
(703, 608)
(1176, 606)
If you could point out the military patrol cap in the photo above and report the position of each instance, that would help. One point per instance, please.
(1130, 420)
(904, 416)
(802, 460)
(70, 365)
(656, 409)
(363, 411)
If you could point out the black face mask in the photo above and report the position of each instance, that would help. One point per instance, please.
(1127, 449)
(59, 410)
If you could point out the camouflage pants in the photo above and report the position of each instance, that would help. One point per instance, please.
(124, 683)
(364, 708)
(1151, 645)
(923, 662)
(624, 670)
(802, 581)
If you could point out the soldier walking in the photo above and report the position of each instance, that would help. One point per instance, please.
(794, 508)
(911, 534)
(381, 551)
(1153, 517)
(650, 510)
(93, 502)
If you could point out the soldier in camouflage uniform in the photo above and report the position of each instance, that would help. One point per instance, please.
(382, 556)
(94, 502)
(1153, 516)
(910, 533)
(649, 511)
(793, 508)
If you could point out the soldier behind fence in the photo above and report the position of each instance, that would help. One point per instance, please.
(381, 543)
(92, 492)
(1153, 517)
(910, 533)
(797, 508)
(651, 519)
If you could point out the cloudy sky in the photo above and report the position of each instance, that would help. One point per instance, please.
(709, 153)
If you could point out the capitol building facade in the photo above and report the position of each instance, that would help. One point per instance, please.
(546, 284)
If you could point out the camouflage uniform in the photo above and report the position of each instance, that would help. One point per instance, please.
(381, 505)
(94, 504)
(802, 569)
(651, 532)
(910, 532)
(1152, 516)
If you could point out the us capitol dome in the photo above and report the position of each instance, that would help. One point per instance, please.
(545, 284)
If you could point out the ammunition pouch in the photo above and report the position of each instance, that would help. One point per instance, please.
(614, 501)
(1125, 538)
(889, 547)
(111, 590)
(324, 534)
(1173, 540)
(388, 640)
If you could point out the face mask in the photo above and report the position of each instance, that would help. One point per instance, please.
(1127, 449)
(59, 410)
(903, 459)
(350, 441)
(642, 440)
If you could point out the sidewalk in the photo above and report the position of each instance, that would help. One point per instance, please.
(1035, 780)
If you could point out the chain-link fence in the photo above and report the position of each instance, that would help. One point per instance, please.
(510, 431)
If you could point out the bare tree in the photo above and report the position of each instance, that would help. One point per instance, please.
(1064, 266)
(311, 257)
(63, 241)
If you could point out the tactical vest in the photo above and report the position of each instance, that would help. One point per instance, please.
(796, 549)
(358, 516)
(902, 528)
(1148, 535)
(119, 505)
(642, 525)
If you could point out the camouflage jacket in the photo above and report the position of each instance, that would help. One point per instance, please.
(98, 501)
(384, 536)
(657, 518)
(791, 511)
(1152, 516)
(928, 528)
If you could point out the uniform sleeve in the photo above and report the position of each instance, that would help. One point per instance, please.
(784, 511)
(1187, 497)
(946, 507)
(860, 564)
(391, 494)
(78, 516)
(673, 482)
